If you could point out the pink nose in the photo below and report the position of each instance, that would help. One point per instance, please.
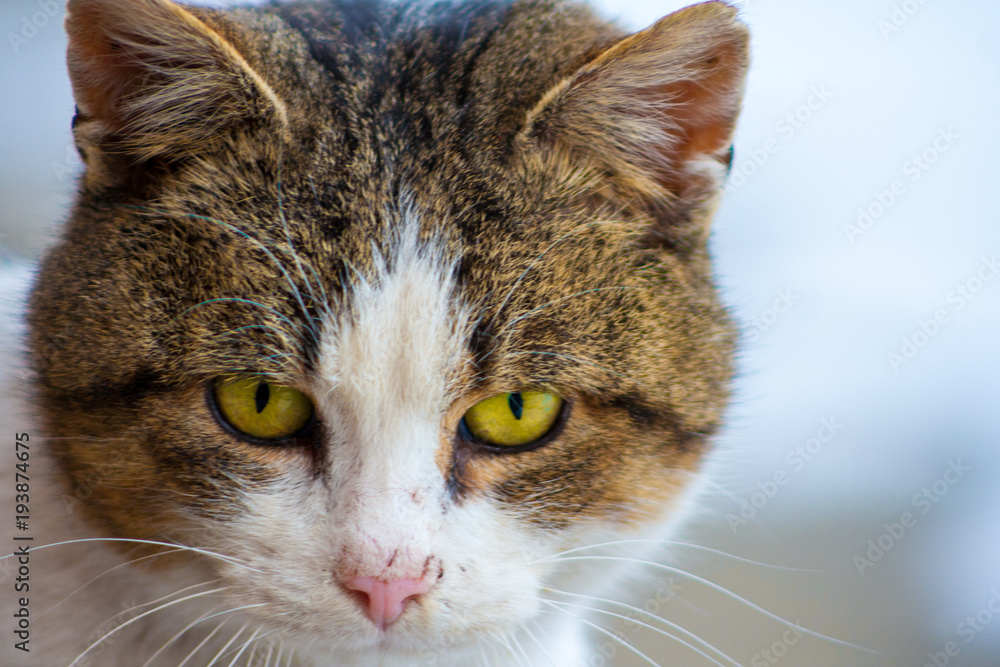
(383, 601)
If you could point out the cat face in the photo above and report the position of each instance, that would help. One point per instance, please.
(387, 310)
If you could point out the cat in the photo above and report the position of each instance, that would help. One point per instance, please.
(369, 321)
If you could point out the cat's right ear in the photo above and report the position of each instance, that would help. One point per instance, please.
(648, 119)
(155, 80)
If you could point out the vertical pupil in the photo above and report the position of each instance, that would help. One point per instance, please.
(262, 396)
(516, 403)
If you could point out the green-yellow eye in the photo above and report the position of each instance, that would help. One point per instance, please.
(262, 409)
(513, 419)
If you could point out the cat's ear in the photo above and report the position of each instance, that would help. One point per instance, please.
(153, 79)
(654, 112)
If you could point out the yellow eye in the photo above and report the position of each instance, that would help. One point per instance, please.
(262, 409)
(513, 419)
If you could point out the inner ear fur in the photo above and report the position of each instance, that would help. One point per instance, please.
(153, 79)
(652, 114)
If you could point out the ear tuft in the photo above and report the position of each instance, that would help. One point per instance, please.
(655, 110)
(153, 79)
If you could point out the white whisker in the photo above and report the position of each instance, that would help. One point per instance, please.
(204, 641)
(136, 618)
(204, 552)
(227, 645)
(270, 652)
(659, 631)
(541, 646)
(244, 647)
(295, 255)
(177, 636)
(689, 545)
(731, 594)
(267, 251)
(107, 571)
(605, 631)
(234, 299)
(165, 597)
(506, 644)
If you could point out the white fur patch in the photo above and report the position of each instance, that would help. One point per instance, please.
(382, 392)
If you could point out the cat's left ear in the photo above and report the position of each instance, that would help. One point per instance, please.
(153, 79)
(651, 116)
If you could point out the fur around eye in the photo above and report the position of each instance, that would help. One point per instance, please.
(261, 409)
(513, 419)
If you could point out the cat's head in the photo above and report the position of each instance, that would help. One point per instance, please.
(387, 305)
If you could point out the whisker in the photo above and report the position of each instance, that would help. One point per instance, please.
(270, 652)
(205, 552)
(236, 230)
(510, 649)
(690, 545)
(257, 652)
(269, 327)
(495, 646)
(227, 645)
(731, 594)
(270, 646)
(177, 636)
(659, 631)
(165, 597)
(520, 649)
(291, 325)
(723, 490)
(244, 647)
(294, 253)
(108, 571)
(535, 639)
(136, 618)
(204, 641)
(605, 631)
(229, 611)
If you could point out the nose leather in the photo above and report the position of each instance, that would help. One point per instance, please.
(383, 601)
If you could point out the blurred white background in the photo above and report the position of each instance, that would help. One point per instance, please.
(858, 247)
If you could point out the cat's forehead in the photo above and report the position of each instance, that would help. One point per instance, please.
(398, 327)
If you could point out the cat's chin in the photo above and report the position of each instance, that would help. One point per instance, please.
(562, 649)
(388, 655)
